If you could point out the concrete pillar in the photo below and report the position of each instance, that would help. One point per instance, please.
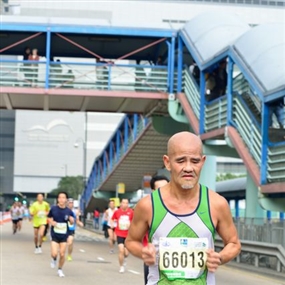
(252, 209)
(208, 173)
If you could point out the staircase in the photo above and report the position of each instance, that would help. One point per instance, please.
(246, 120)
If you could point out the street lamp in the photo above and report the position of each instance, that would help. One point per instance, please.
(84, 147)
(76, 145)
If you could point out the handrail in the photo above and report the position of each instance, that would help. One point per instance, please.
(88, 75)
(127, 133)
(249, 132)
(259, 249)
(191, 91)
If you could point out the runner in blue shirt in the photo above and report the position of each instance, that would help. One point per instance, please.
(59, 217)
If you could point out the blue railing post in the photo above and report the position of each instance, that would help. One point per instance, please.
(168, 66)
(118, 146)
(202, 102)
(172, 61)
(104, 164)
(111, 156)
(100, 172)
(48, 44)
(135, 126)
(268, 214)
(237, 208)
(179, 64)
(281, 216)
(264, 150)
(230, 91)
(126, 134)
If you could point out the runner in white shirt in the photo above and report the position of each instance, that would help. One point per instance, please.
(111, 225)
(15, 213)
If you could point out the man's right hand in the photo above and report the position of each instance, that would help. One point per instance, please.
(148, 254)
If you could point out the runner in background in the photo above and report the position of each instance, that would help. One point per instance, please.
(156, 182)
(59, 216)
(15, 214)
(72, 228)
(123, 217)
(111, 225)
(38, 212)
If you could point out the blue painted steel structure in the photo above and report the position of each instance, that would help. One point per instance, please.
(128, 131)
(126, 134)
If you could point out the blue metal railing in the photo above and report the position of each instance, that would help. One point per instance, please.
(242, 118)
(127, 133)
(87, 75)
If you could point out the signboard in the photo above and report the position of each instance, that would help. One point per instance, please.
(120, 188)
(117, 201)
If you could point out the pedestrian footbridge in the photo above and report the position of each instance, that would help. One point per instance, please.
(145, 74)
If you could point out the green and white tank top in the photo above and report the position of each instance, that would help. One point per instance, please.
(181, 242)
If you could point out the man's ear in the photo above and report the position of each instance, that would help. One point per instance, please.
(166, 162)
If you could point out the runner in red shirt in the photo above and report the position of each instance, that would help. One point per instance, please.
(123, 216)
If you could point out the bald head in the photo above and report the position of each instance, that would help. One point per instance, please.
(182, 138)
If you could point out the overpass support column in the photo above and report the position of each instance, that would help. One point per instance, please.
(208, 173)
(253, 209)
(236, 208)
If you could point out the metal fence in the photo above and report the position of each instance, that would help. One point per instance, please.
(261, 230)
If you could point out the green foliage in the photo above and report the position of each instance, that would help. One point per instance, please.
(72, 185)
(228, 176)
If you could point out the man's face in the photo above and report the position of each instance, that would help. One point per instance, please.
(124, 204)
(40, 197)
(112, 204)
(185, 164)
(62, 199)
(70, 205)
(159, 183)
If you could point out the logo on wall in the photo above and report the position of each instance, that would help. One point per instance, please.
(43, 133)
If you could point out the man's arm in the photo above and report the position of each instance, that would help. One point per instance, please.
(71, 217)
(139, 227)
(50, 218)
(226, 230)
(78, 222)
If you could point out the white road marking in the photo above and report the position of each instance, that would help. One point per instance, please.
(134, 272)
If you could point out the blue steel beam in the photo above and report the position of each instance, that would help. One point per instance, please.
(179, 65)
(48, 48)
(121, 141)
(265, 139)
(247, 74)
(171, 63)
(77, 29)
(230, 92)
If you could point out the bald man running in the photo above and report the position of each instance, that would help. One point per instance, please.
(182, 218)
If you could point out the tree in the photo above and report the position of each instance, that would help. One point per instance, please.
(227, 176)
(72, 185)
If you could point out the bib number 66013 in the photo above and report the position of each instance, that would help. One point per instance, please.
(183, 259)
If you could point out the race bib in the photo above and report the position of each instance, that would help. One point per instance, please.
(182, 258)
(41, 214)
(124, 222)
(60, 228)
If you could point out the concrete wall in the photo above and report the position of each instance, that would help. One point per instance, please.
(153, 14)
(50, 145)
